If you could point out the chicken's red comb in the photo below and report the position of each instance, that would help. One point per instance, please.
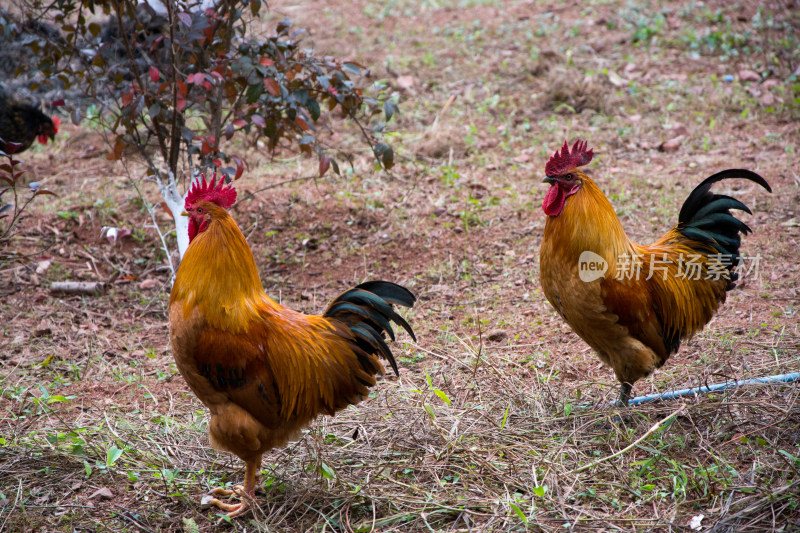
(560, 162)
(218, 193)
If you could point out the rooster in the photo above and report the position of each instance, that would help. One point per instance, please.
(640, 302)
(21, 123)
(265, 371)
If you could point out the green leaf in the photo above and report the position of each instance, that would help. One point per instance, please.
(389, 109)
(326, 471)
(58, 398)
(313, 109)
(539, 491)
(519, 512)
(567, 409)
(352, 68)
(384, 154)
(112, 455)
(253, 92)
(443, 396)
(430, 411)
(88, 468)
(505, 417)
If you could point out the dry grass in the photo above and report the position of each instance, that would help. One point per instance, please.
(491, 450)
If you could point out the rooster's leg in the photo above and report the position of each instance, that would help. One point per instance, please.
(624, 394)
(248, 491)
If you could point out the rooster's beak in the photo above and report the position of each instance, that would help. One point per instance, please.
(184, 214)
(548, 179)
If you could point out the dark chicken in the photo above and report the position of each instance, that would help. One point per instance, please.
(21, 123)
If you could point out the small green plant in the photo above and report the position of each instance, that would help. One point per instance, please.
(12, 208)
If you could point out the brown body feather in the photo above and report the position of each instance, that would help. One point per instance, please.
(632, 322)
(264, 371)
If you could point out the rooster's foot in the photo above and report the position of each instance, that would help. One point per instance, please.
(237, 490)
(233, 509)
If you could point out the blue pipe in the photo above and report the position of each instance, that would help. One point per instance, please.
(780, 378)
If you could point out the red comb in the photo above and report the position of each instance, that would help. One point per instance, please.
(43, 137)
(218, 193)
(566, 160)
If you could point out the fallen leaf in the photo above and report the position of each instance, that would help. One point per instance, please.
(748, 75)
(671, 145)
(405, 82)
(767, 98)
(616, 80)
(114, 234)
(148, 283)
(104, 493)
(497, 336)
(42, 266)
(696, 523)
(678, 130)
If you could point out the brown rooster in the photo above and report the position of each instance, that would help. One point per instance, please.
(635, 304)
(265, 371)
(21, 123)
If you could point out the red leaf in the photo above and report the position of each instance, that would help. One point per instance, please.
(240, 122)
(266, 62)
(181, 103)
(302, 123)
(258, 120)
(57, 103)
(182, 89)
(116, 152)
(272, 87)
(127, 98)
(324, 165)
(217, 162)
(155, 44)
(205, 148)
(154, 74)
(239, 166)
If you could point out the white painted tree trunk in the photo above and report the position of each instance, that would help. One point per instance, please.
(175, 201)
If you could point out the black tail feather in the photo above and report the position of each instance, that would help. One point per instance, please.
(707, 219)
(367, 310)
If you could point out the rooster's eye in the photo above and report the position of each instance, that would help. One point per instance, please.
(569, 177)
(199, 210)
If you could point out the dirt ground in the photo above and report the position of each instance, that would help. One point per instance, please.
(500, 419)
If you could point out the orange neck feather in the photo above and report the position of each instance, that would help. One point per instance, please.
(218, 275)
(587, 222)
